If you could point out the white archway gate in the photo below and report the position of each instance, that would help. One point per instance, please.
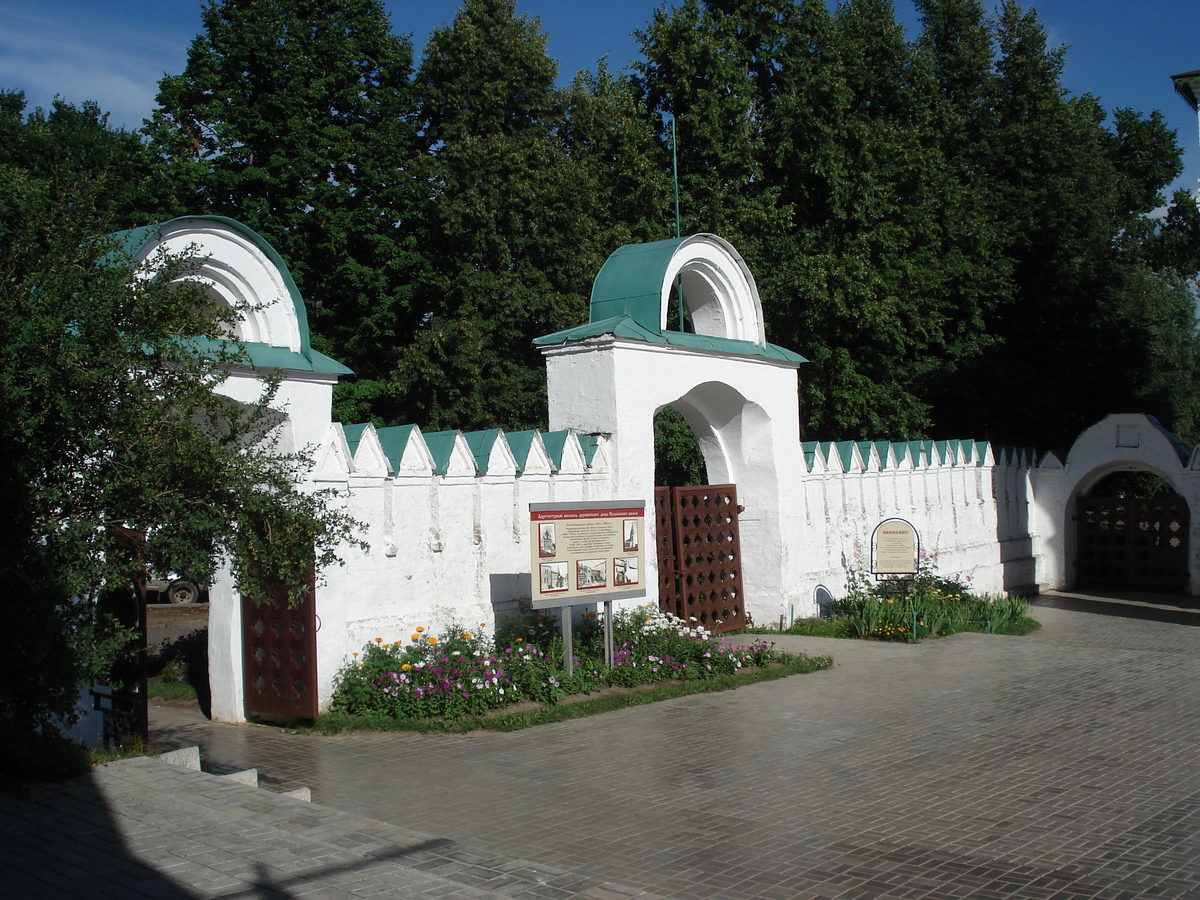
(737, 392)
(1117, 542)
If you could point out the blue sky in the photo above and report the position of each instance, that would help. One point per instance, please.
(114, 51)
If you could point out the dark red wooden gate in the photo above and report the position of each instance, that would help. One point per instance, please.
(699, 555)
(280, 649)
(1133, 542)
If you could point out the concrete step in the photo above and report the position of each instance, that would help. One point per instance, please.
(149, 828)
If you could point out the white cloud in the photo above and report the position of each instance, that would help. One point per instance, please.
(84, 54)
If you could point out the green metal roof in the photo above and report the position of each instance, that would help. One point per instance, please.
(393, 440)
(627, 302)
(481, 443)
(354, 435)
(520, 443)
(630, 283)
(920, 453)
(628, 327)
(589, 443)
(845, 452)
(266, 356)
(441, 448)
(555, 442)
(809, 448)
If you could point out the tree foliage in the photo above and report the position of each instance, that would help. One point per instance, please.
(957, 244)
(113, 428)
(523, 214)
(297, 119)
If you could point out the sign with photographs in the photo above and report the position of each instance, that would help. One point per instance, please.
(894, 548)
(587, 552)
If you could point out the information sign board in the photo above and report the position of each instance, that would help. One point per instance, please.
(587, 552)
(894, 548)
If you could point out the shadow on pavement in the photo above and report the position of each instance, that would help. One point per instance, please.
(1175, 609)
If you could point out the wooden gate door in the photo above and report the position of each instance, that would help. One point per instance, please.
(1133, 542)
(699, 555)
(280, 657)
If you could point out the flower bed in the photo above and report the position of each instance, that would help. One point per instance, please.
(463, 673)
(909, 608)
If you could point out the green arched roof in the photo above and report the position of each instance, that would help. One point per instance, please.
(630, 283)
(134, 240)
(627, 302)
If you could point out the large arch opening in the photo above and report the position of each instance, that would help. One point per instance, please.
(678, 460)
(1131, 531)
(719, 436)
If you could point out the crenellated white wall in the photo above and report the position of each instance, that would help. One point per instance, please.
(448, 532)
(446, 516)
(448, 528)
(971, 512)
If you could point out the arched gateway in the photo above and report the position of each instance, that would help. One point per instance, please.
(1097, 537)
(737, 392)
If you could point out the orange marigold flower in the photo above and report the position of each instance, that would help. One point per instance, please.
(416, 637)
(467, 636)
(420, 628)
(379, 640)
(433, 640)
(405, 667)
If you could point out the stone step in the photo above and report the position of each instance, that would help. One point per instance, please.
(158, 829)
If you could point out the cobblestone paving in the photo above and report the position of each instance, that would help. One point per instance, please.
(1061, 765)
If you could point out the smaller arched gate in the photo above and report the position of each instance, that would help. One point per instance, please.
(1133, 542)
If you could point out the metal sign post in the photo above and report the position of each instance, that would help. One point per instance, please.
(568, 656)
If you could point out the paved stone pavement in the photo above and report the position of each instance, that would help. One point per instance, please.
(1060, 765)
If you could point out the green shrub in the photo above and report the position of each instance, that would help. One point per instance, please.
(909, 608)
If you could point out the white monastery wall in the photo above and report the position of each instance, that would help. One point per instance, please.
(970, 513)
(452, 546)
(446, 517)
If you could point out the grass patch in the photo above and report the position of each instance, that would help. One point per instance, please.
(844, 627)
(812, 626)
(1017, 628)
(573, 707)
(157, 689)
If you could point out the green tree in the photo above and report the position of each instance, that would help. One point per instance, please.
(297, 119)
(806, 138)
(678, 461)
(515, 237)
(112, 423)
(1070, 196)
(70, 144)
(932, 221)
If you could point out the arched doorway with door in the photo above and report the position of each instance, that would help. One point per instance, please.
(702, 455)
(1117, 513)
(1132, 530)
